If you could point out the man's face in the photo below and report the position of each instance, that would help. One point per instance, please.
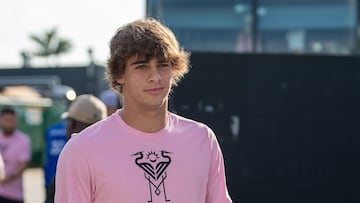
(146, 83)
(8, 123)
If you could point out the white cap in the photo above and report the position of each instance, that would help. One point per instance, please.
(86, 108)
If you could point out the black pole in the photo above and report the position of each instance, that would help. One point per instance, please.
(357, 30)
(254, 25)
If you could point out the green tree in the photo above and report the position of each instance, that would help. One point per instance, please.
(50, 44)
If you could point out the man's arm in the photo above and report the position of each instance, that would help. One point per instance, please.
(21, 166)
(217, 190)
(73, 178)
(2, 169)
(22, 160)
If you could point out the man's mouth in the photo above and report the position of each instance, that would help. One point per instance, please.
(154, 90)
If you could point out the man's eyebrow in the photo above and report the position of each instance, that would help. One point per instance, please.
(164, 61)
(140, 61)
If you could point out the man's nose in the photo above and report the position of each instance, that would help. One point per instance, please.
(154, 75)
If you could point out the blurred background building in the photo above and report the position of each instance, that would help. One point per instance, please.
(278, 81)
(262, 26)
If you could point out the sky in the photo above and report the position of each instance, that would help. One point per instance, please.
(86, 23)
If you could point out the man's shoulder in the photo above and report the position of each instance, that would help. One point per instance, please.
(195, 129)
(89, 138)
(97, 129)
(188, 122)
(22, 135)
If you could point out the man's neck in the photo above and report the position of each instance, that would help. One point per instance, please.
(145, 121)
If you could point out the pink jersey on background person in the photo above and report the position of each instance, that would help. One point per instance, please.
(180, 163)
(14, 149)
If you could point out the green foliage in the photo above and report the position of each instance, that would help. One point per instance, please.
(50, 44)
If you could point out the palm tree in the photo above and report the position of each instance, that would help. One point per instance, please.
(50, 44)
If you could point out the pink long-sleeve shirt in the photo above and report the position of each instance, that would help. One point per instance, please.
(14, 149)
(111, 162)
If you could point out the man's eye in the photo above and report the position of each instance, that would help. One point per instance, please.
(141, 67)
(164, 65)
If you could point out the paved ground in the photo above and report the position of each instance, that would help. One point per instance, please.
(34, 185)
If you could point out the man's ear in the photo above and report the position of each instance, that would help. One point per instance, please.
(120, 79)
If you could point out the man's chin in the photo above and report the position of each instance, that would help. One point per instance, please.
(8, 132)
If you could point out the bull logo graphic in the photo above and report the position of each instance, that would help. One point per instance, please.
(154, 166)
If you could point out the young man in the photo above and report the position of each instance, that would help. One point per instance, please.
(143, 153)
(83, 112)
(15, 148)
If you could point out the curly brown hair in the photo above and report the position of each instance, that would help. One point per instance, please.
(145, 38)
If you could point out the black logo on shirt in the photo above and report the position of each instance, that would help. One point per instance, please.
(154, 165)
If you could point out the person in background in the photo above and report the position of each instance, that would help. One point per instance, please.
(55, 137)
(84, 111)
(111, 100)
(143, 152)
(15, 147)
